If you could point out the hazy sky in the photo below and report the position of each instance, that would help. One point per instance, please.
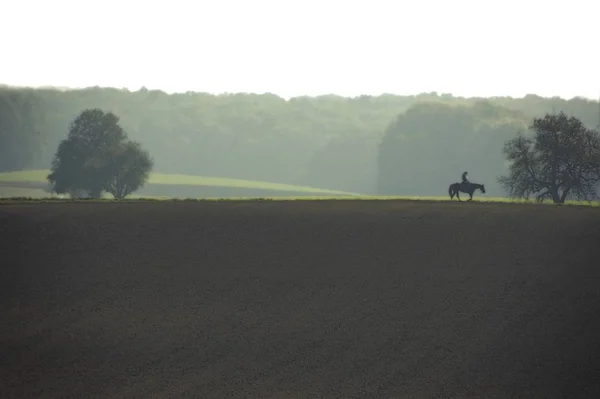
(297, 47)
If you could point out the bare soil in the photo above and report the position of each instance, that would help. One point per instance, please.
(299, 299)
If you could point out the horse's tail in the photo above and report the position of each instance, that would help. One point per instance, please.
(450, 192)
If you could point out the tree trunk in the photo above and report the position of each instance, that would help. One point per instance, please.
(554, 193)
(564, 195)
(120, 191)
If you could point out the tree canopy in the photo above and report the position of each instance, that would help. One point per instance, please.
(96, 156)
(560, 161)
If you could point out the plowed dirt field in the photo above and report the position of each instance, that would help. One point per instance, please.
(299, 299)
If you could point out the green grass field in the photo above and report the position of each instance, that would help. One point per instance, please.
(38, 177)
(13, 186)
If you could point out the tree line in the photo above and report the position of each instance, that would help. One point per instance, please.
(388, 144)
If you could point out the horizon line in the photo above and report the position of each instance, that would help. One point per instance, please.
(414, 94)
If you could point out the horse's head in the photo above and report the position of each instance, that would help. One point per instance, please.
(482, 188)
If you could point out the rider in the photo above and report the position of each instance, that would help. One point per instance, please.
(464, 177)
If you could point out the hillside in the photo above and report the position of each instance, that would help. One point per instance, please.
(33, 183)
(299, 299)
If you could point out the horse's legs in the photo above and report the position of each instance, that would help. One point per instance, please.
(451, 191)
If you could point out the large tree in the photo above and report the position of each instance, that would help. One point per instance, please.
(96, 156)
(560, 161)
(130, 168)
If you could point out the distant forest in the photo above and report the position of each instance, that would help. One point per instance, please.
(388, 144)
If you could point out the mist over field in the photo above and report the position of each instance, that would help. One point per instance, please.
(388, 144)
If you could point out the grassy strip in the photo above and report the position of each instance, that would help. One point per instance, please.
(302, 198)
(39, 176)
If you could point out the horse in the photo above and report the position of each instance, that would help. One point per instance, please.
(468, 188)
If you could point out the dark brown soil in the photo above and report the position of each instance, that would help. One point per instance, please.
(299, 299)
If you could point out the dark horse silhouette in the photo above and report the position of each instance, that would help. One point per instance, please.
(468, 188)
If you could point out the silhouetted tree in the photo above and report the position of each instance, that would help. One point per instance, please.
(131, 167)
(560, 161)
(97, 157)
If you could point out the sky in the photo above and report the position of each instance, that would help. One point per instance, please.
(306, 47)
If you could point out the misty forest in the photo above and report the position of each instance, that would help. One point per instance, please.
(378, 145)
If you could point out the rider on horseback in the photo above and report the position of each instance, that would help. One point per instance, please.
(464, 178)
(465, 186)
